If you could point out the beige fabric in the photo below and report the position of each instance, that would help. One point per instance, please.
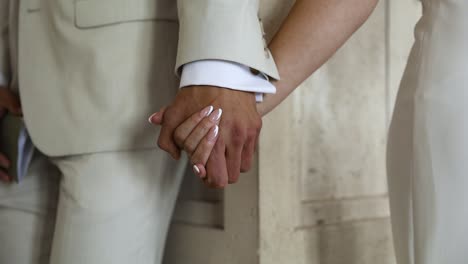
(27, 215)
(97, 208)
(225, 30)
(91, 71)
(428, 141)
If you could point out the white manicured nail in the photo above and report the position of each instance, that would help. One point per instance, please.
(213, 134)
(216, 115)
(196, 169)
(207, 111)
(150, 119)
(211, 110)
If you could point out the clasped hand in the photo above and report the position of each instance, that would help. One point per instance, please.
(218, 129)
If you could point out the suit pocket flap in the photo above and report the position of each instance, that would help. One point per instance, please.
(96, 13)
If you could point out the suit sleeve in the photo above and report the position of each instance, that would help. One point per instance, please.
(4, 57)
(228, 30)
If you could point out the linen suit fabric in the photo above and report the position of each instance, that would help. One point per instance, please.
(75, 209)
(428, 141)
(117, 58)
(89, 73)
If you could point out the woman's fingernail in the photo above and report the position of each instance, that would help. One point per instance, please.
(155, 116)
(207, 111)
(213, 133)
(216, 115)
(196, 170)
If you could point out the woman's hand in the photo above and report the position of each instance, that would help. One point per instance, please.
(197, 136)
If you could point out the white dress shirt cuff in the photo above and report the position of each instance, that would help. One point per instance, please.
(225, 74)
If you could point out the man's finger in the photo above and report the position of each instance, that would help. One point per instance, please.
(183, 131)
(190, 143)
(247, 154)
(233, 162)
(166, 143)
(217, 176)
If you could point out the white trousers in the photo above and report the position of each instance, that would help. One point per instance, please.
(428, 141)
(99, 208)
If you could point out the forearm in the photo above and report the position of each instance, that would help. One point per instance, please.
(228, 30)
(310, 35)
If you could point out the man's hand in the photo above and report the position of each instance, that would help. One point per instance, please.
(239, 129)
(8, 102)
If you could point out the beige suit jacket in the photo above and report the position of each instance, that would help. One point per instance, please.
(89, 72)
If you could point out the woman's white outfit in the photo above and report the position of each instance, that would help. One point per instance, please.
(428, 141)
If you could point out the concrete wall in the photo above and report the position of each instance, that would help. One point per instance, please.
(323, 195)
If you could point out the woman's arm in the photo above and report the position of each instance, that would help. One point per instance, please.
(310, 35)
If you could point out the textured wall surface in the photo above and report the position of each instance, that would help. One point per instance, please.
(323, 195)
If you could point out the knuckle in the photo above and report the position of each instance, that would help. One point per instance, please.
(219, 184)
(238, 140)
(245, 167)
(218, 181)
(195, 118)
(169, 111)
(195, 159)
(259, 122)
(172, 110)
(163, 145)
(189, 148)
(257, 125)
(178, 137)
(238, 135)
(206, 124)
(233, 179)
(171, 115)
(252, 133)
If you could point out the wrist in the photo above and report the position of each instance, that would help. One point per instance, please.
(212, 92)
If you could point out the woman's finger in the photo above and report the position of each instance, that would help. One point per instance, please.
(197, 134)
(183, 130)
(203, 151)
(217, 175)
(165, 141)
(199, 170)
(157, 118)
